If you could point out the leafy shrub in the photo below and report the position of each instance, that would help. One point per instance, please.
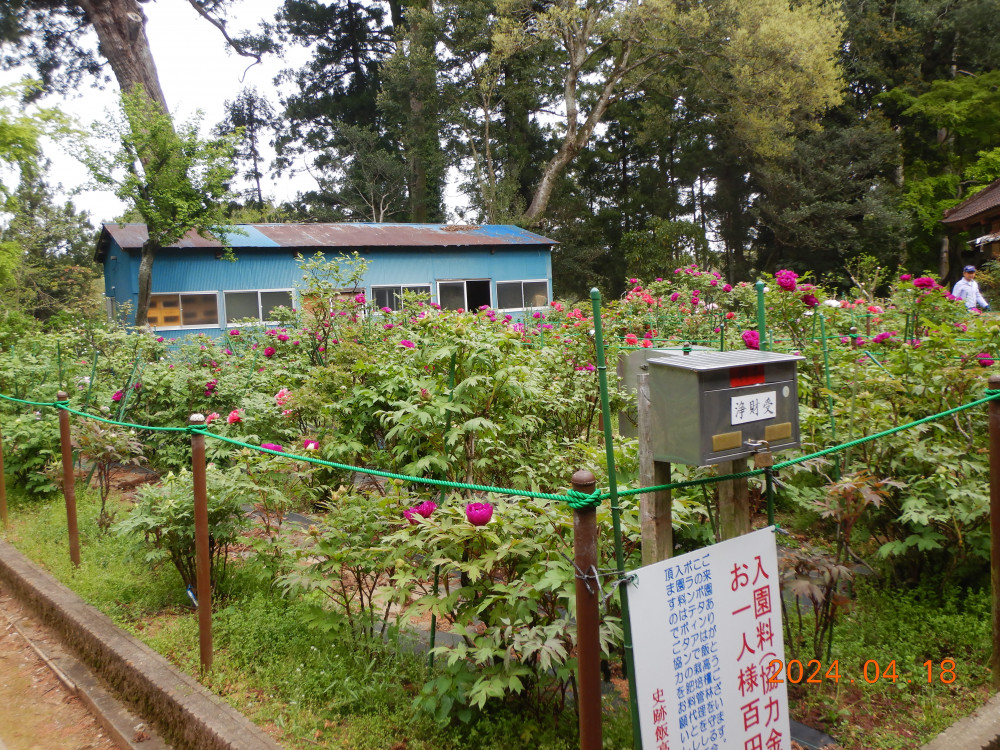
(163, 522)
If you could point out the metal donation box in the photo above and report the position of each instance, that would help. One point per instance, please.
(708, 407)
(629, 366)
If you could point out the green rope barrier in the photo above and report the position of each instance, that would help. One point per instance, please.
(579, 501)
(384, 474)
(29, 403)
(150, 428)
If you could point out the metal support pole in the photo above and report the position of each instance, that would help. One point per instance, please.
(588, 639)
(204, 561)
(761, 317)
(69, 481)
(609, 452)
(3, 484)
(994, 384)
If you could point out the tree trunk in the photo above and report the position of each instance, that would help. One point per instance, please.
(149, 249)
(121, 33)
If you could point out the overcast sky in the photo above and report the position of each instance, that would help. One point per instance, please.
(195, 72)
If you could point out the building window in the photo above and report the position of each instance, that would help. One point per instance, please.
(467, 294)
(257, 305)
(520, 295)
(184, 310)
(392, 296)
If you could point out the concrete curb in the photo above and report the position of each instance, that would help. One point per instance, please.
(184, 713)
(980, 730)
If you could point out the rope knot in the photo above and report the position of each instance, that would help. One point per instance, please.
(579, 500)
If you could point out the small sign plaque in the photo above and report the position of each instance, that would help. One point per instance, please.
(753, 407)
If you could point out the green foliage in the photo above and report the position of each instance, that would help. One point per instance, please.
(162, 522)
(31, 448)
(108, 447)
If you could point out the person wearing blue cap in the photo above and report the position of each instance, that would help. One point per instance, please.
(967, 289)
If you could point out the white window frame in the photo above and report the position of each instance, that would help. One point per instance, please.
(260, 313)
(522, 282)
(401, 287)
(180, 296)
(465, 289)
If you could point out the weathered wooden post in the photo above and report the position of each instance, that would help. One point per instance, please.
(994, 385)
(204, 561)
(588, 641)
(734, 500)
(655, 508)
(69, 480)
(3, 484)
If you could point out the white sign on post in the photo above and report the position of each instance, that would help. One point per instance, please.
(709, 651)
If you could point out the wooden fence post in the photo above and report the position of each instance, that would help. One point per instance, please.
(3, 484)
(588, 592)
(655, 508)
(734, 500)
(69, 481)
(994, 417)
(203, 554)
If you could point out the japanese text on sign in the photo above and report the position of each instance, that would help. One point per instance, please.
(705, 627)
(753, 407)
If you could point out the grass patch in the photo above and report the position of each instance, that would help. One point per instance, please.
(302, 686)
(910, 628)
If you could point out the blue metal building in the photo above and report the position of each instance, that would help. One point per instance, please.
(195, 290)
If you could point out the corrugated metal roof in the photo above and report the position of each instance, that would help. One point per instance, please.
(986, 200)
(702, 361)
(986, 239)
(358, 235)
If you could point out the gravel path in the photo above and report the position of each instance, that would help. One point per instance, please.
(37, 712)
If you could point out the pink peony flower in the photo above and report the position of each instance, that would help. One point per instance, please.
(282, 396)
(272, 447)
(211, 417)
(234, 332)
(786, 279)
(234, 417)
(730, 315)
(406, 343)
(631, 339)
(310, 445)
(159, 339)
(359, 298)
(924, 282)
(479, 514)
(906, 277)
(727, 288)
(752, 339)
(984, 359)
(269, 351)
(118, 395)
(424, 509)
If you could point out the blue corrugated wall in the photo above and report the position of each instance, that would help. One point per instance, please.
(196, 270)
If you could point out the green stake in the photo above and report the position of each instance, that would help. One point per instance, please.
(609, 448)
(761, 317)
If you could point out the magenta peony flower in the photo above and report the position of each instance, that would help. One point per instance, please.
(269, 351)
(631, 339)
(924, 282)
(786, 280)
(727, 287)
(159, 339)
(234, 332)
(751, 339)
(810, 300)
(407, 344)
(984, 359)
(479, 514)
(906, 277)
(424, 509)
(272, 447)
(310, 445)
(118, 395)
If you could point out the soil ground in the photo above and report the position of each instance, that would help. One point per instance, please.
(37, 712)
